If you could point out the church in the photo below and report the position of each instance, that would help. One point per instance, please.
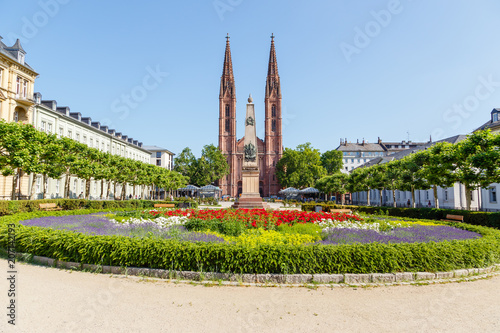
(270, 149)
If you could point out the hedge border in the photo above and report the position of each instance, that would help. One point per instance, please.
(348, 280)
(486, 219)
(230, 258)
(8, 207)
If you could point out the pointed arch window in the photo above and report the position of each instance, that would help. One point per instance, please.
(273, 111)
(273, 125)
(227, 125)
(227, 111)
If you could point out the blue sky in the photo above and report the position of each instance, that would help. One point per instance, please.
(349, 69)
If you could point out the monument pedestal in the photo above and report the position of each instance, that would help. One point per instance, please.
(250, 196)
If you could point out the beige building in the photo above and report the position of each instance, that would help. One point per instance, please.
(17, 81)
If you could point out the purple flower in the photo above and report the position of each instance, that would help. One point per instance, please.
(416, 234)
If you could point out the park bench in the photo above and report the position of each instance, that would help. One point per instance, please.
(453, 218)
(164, 206)
(347, 211)
(49, 206)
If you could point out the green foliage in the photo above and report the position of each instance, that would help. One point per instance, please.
(229, 227)
(312, 259)
(299, 228)
(331, 160)
(300, 167)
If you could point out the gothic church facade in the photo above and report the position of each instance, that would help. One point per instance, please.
(270, 149)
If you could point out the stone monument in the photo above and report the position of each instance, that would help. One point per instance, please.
(250, 196)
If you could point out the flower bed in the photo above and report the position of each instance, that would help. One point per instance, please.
(278, 255)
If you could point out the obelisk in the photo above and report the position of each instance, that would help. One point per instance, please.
(250, 196)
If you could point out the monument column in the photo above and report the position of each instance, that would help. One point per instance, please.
(250, 196)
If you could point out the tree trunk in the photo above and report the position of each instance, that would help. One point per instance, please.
(468, 197)
(87, 188)
(108, 189)
(45, 185)
(343, 199)
(115, 185)
(14, 182)
(394, 198)
(101, 195)
(124, 190)
(67, 185)
(413, 203)
(380, 194)
(368, 197)
(33, 184)
(436, 199)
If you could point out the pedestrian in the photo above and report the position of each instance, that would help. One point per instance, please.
(429, 204)
(80, 196)
(408, 203)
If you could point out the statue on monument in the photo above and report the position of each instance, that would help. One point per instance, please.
(250, 152)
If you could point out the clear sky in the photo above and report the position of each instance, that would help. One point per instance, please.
(349, 69)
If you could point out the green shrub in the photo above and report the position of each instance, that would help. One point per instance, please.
(312, 259)
(230, 227)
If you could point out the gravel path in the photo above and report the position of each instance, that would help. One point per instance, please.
(53, 300)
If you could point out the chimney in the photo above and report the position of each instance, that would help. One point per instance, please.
(379, 141)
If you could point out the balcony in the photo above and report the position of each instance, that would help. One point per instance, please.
(25, 99)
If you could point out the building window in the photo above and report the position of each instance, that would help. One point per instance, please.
(18, 85)
(42, 126)
(446, 195)
(84, 139)
(58, 184)
(25, 88)
(1, 76)
(16, 116)
(74, 186)
(495, 115)
(493, 194)
(227, 125)
(70, 134)
(227, 111)
(158, 154)
(77, 137)
(472, 196)
(158, 162)
(426, 195)
(273, 125)
(95, 187)
(49, 127)
(38, 184)
(97, 144)
(82, 185)
(61, 131)
(91, 144)
(273, 111)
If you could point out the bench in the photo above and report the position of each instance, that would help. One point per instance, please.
(453, 218)
(49, 206)
(164, 206)
(347, 211)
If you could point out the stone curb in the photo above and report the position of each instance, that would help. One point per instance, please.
(374, 279)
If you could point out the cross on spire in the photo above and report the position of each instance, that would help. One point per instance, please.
(272, 37)
(227, 37)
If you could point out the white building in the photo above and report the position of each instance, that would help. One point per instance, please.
(50, 118)
(161, 157)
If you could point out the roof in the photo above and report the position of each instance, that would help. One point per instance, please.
(361, 147)
(11, 52)
(401, 154)
(156, 148)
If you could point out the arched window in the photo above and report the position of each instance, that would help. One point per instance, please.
(273, 125)
(227, 111)
(227, 125)
(273, 111)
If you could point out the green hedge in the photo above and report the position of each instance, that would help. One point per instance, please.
(477, 218)
(21, 206)
(228, 258)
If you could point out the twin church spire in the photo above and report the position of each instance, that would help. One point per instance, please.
(270, 149)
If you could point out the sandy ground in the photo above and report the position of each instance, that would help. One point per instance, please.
(54, 300)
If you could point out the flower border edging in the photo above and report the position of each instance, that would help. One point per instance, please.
(373, 279)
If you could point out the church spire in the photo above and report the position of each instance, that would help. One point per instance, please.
(273, 79)
(227, 78)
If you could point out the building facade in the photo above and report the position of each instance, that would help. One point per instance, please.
(270, 149)
(161, 157)
(359, 153)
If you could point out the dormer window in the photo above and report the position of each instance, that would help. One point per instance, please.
(495, 117)
(20, 58)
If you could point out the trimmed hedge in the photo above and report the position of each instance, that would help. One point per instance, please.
(229, 258)
(476, 218)
(8, 207)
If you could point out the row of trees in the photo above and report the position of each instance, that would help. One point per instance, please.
(211, 166)
(27, 151)
(473, 162)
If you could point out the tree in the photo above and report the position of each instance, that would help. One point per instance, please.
(185, 163)
(413, 175)
(393, 172)
(300, 167)
(358, 182)
(336, 183)
(331, 160)
(476, 160)
(377, 178)
(211, 166)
